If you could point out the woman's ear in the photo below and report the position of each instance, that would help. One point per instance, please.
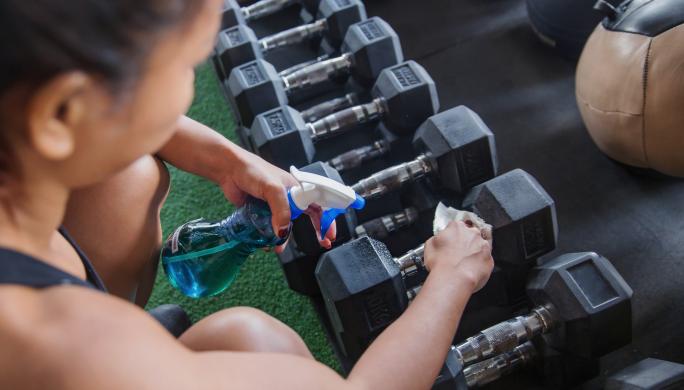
(55, 112)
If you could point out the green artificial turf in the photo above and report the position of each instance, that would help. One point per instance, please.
(261, 282)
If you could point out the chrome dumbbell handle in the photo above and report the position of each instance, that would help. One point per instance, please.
(317, 73)
(264, 8)
(492, 369)
(347, 119)
(293, 36)
(505, 336)
(381, 227)
(393, 178)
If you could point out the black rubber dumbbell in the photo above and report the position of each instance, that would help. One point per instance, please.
(404, 96)
(239, 44)
(457, 151)
(233, 14)
(369, 47)
(449, 140)
(517, 204)
(301, 255)
(580, 301)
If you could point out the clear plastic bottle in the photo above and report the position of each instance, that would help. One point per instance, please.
(203, 258)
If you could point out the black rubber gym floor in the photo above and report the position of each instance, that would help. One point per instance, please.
(483, 54)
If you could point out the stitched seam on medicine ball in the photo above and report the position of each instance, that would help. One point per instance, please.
(647, 63)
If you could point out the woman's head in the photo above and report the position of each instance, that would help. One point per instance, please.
(88, 86)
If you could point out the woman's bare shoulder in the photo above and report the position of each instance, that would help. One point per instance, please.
(50, 335)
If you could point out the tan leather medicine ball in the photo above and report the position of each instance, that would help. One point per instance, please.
(630, 85)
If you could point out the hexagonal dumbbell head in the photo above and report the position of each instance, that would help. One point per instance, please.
(231, 14)
(374, 46)
(363, 292)
(589, 299)
(254, 87)
(237, 45)
(282, 138)
(339, 15)
(522, 215)
(460, 146)
(409, 94)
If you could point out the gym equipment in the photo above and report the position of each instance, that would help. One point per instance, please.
(403, 97)
(564, 25)
(356, 157)
(457, 151)
(381, 227)
(460, 151)
(239, 44)
(369, 47)
(628, 87)
(454, 377)
(648, 374)
(233, 14)
(365, 289)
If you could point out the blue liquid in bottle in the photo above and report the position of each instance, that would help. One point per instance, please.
(202, 259)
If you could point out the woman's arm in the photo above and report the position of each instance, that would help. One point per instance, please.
(82, 339)
(200, 150)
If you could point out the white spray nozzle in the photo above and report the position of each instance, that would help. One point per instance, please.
(320, 190)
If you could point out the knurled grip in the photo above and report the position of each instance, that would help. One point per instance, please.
(504, 336)
(294, 68)
(411, 258)
(393, 178)
(488, 371)
(317, 73)
(263, 8)
(293, 36)
(326, 108)
(380, 228)
(347, 119)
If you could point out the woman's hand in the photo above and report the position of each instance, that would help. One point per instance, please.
(198, 149)
(249, 174)
(460, 249)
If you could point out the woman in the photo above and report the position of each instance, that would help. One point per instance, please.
(92, 96)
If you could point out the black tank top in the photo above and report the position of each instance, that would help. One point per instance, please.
(18, 268)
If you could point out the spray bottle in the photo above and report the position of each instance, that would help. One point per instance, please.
(203, 258)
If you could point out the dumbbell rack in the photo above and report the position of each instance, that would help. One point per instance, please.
(403, 240)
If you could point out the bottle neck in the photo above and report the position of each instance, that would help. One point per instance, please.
(251, 224)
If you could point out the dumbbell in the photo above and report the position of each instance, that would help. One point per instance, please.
(404, 96)
(369, 47)
(582, 305)
(457, 148)
(518, 204)
(299, 265)
(648, 374)
(455, 377)
(239, 44)
(233, 14)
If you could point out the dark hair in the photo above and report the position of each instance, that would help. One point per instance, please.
(111, 39)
